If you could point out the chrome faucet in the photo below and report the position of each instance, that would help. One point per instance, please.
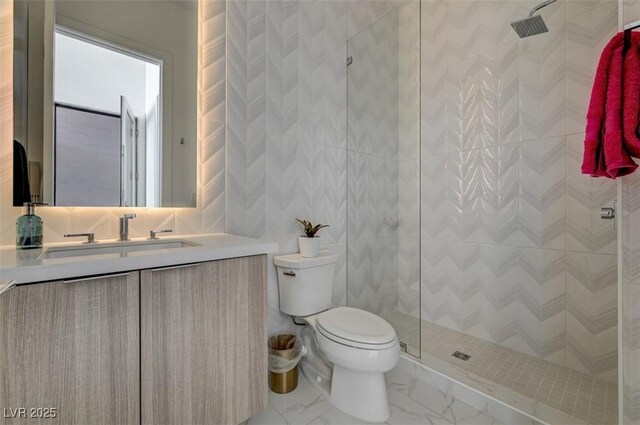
(124, 226)
(153, 234)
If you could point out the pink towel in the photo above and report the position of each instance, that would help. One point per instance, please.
(592, 143)
(631, 97)
(604, 151)
(617, 161)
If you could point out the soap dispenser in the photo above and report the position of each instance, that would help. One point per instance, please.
(29, 228)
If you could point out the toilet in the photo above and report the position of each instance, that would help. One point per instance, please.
(360, 345)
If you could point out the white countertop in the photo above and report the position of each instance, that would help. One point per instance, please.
(27, 266)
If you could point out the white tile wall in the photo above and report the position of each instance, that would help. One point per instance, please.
(282, 162)
(508, 221)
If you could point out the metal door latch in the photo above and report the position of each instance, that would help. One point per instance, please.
(609, 213)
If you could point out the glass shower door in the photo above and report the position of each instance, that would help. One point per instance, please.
(383, 142)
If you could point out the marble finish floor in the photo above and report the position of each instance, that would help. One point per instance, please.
(306, 405)
(580, 395)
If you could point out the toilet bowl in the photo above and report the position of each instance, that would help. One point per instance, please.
(360, 345)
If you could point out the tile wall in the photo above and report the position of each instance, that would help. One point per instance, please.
(383, 114)
(513, 250)
(287, 112)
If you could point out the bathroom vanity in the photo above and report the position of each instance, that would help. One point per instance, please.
(169, 335)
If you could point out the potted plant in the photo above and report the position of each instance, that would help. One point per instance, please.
(309, 242)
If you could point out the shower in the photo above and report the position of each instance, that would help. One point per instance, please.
(532, 25)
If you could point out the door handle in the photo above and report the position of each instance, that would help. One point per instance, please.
(182, 266)
(607, 213)
(610, 213)
(87, 279)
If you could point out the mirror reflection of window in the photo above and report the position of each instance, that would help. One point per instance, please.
(107, 124)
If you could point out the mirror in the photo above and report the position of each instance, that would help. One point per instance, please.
(105, 102)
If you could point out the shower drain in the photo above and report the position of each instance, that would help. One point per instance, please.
(460, 355)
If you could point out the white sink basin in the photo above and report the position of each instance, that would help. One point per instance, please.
(115, 248)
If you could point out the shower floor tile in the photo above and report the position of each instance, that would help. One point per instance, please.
(589, 399)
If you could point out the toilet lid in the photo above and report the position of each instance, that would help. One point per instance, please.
(357, 326)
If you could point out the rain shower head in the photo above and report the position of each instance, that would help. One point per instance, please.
(527, 27)
(532, 25)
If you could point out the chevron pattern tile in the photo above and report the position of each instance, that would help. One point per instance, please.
(472, 288)
(213, 60)
(409, 195)
(499, 301)
(587, 33)
(586, 232)
(408, 279)
(371, 266)
(373, 89)
(340, 279)
(246, 120)
(409, 126)
(434, 204)
(281, 210)
(542, 314)
(328, 118)
(482, 76)
(433, 85)
(209, 217)
(246, 180)
(282, 67)
(542, 194)
(372, 197)
(363, 13)
(434, 282)
(482, 192)
(499, 170)
(333, 194)
(592, 299)
(542, 85)
(486, 89)
(246, 62)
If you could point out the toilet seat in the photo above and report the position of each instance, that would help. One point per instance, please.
(356, 328)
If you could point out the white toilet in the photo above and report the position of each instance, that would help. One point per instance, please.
(360, 345)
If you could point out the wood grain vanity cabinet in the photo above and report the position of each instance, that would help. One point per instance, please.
(178, 345)
(72, 346)
(204, 337)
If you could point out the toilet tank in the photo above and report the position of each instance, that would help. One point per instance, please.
(305, 284)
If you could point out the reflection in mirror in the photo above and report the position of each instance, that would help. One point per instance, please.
(106, 124)
(105, 103)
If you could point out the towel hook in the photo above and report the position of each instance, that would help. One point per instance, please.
(627, 36)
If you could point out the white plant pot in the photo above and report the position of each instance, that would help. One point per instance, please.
(309, 247)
